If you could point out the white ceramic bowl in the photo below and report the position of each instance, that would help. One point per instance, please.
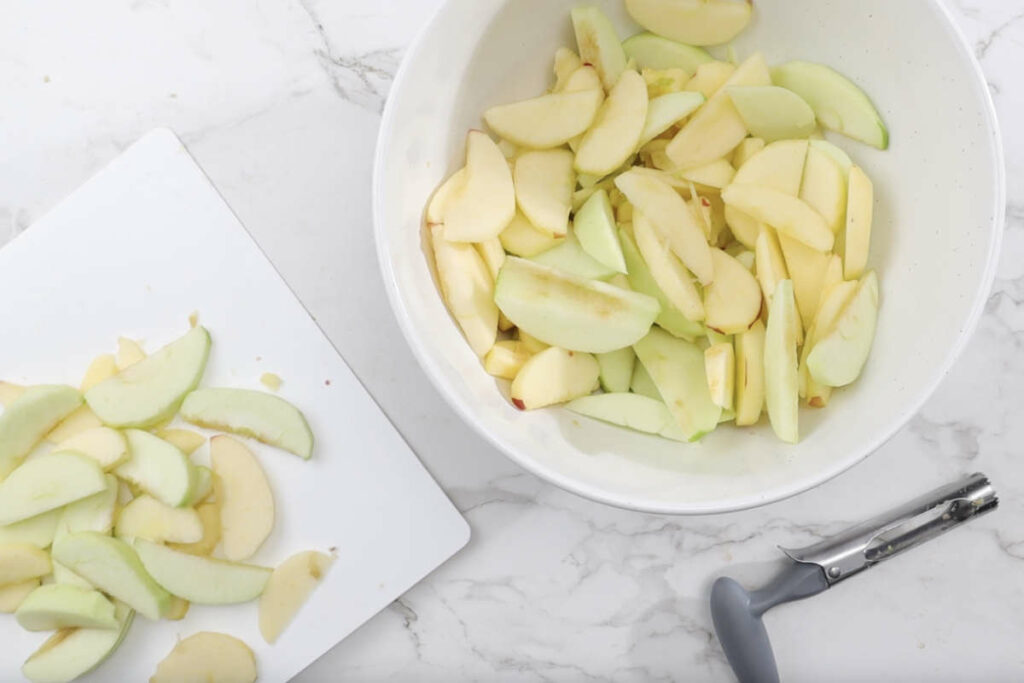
(938, 221)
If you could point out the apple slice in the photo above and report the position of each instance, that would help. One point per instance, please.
(57, 606)
(146, 517)
(37, 531)
(716, 174)
(207, 657)
(102, 368)
(209, 515)
(745, 150)
(665, 111)
(486, 202)
(780, 365)
(506, 358)
(36, 411)
(554, 376)
(444, 194)
(733, 301)
(288, 589)
(599, 44)
(642, 385)
(716, 129)
(569, 311)
(720, 368)
(668, 272)
(244, 496)
(158, 468)
(750, 374)
(112, 566)
(824, 187)
(81, 420)
(21, 562)
(565, 64)
(671, 218)
(520, 238)
(48, 482)
(13, 594)
(695, 22)
(546, 121)
(616, 369)
(838, 104)
(202, 486)
(106, 446)
(834, 299)
(838, 358)
(779, 166)
(94, 513)
(490, 251)
(859, 209)
(595, 227)
(184, 440)
(651, 51)
(614, 134)
(806, 268)
(544, 182)
(677, 369)
(783, 212)
(129, 352)
(201, 580)
(467, 288)
(633, 411)
(837, 154)
(710, 77)
(640, 279)
(771, 112)
(256, 414)
(9, 393)
(151, 390)
(70, 653)
(743, 227)
(770, 264)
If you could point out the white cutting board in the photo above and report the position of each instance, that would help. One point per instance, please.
(133, 252)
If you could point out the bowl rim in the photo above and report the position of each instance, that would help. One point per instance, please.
(632, 502)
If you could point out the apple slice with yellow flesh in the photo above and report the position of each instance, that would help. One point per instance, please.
(46, 483)
(859, 209)
(717, 128)
(256, 414)
(614, 135)
(834, 299)
(70, 653)
(546, 121)
(288, 589)
(102, 368)
(184, 440)
(565, 63)
(785, 213)
(779, 166)
(733, 301)
(694, 22)
(544, 182)
(583, 79)
(521, 238)
(806, 268)
(665, 111)
(81, 420)
(720, 368)
(467, 288)
(486, 202)
(35, 412)
(146, 517)
(244, 496)
(129, 352)
(95, 513)
(37, 531)
(106, 446)
(207, 657)
(22, 562)
(209, 515)
(770, 266)
(506, 358)
(710, 77)
(749, 349)
(493, 255)
(651, 51)
(672, 218)
(598, 43)
(444, 194)
(595, 227)
(743, 227)
(201, 580)
(716, 174)
(57, 606)
(773, 113)
(824, 187)
(666, 269)
(640, 279)
(745, 150)
(838, 357)
(780, 365)
(553, 376)
(9, 393)
(13, 594)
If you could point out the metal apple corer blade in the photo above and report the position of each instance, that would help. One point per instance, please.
(737, 612)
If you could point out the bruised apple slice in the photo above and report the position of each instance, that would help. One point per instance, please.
(106, 446)
(859, 209)
(668, 272)
(640, 279)
(486, 202)
(146, 517)
(780, 365)
(733, 301)
(772, 113)
(677, 368)
(544, 182)
(207, 657)
(695, 22)
(595, 228)
(48, 482)
(151, 390)
(599, 44)
(666, 110)
(651, 51)
(838, 358)
(554, 376)
(571, 312)
(70, 653)
(288, 589)
(546, 121)
(201, 580)
(614, 135)
(244, 496)
(634, 411)
(749, 348)
(158, 468)
(57, 606)
(779, 166)
(467, 288)
(785, 213)
(255, 414)
(35, 412)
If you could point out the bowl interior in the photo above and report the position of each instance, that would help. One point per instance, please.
(937, 223)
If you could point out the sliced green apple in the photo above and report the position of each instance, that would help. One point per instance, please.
(554, 376)
(710, 77)
(616, 369)
(148, 518)
(749, 349)
(669, 318)
(838, 358)
(783, 212)
(288, 589)
(506, 358)
(595, 228)
(94, 513)
(112, 566)
(668, 272)
(616, 130)
(642, 384)
(838, 104)
(569, 311)
(571, 258)
(695, 22)
(733, 301)
(37, 531)
(202, 487)
(824, 187)
(29, 418)
(151, 390)
(21, 562)
(598, 44)
(781, 375)
(667, 110)
(859, 210)
(106, 446)
(771, 112)
(158, 468)
(651, 51)
(633, 411)
(834, 299)
(202, 580)
(207, 657)
(57, 606)
(9, 393)
(546, 121)
(544, 182)
(256, 414)
(71, 653)
(244, 496)
(46, 483)
(486, 202)
(520, 238)
(467, 288)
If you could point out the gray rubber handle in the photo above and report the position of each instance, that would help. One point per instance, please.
(737, 618)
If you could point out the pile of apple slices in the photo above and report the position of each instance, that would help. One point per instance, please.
(105, 514)
(666, 227)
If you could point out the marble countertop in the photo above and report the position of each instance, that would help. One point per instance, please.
(279, 100)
